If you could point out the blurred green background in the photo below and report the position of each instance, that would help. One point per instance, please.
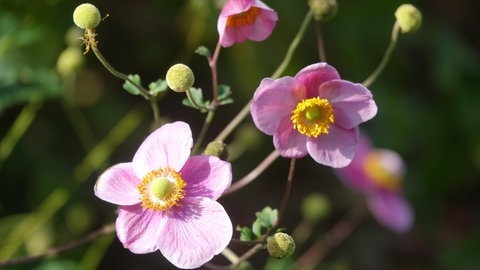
(58, 131)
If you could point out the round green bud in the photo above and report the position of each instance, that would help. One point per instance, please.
(180, 78)
(218, 149)
(408, 17)
(86, 16)
(280, 245)
(70, 61)
(315, 206)
(323, 10)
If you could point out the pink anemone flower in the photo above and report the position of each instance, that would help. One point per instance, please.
(168, 199)
(378, 174)
(240, 20)
(314, 113)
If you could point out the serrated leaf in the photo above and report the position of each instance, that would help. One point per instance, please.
(225, 101)
(267, 217)
(132, 88)
(157, 87)
(203, 51)
(224, 93)
(197, 96)
(246, 233)
(257, 228)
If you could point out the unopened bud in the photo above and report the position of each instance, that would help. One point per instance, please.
(409, 18)
(86, 16)
(217, 148)
(280, 245)
(180, 78)
(315, 206)
(323, 10)
(70, 61)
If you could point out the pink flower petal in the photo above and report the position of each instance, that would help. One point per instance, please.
(335, 149)
(138, 228)
(352, 102)
(259, 29)
(168, 146)
(263, 25)
(391, 210)
(232, 7)
(194, 234)
(354, 174)
(118, 185)
(275, 100)
(392, 162)
(206, 176)
(289, 142)
(314, 75)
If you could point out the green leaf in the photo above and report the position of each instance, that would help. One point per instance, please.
(157, 87)
(267, 217)
(246, 234)
(224, 93)
(130, 87)
(203, 51)
(197, 96)
(257, 227)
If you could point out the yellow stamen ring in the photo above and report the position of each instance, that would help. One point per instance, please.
(313, 117)
(377, 172)
(162, 189)
(244, 18)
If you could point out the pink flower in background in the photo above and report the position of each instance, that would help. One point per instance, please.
(313, 113)
(168, 199)
(378, 173)
(245, 19)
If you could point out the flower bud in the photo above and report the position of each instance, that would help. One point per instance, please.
(218, 149)
(86, 16)
(180, 78)
(323, 10)
(315, 206)
(408, 17)
(69, 61)
(280, 245)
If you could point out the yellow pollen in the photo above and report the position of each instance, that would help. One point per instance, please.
(244, 18)
(380, 175)
(313, 117)
(162, 189)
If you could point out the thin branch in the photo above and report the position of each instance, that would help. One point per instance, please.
(57, 250)
(334, 237)
(247, 179)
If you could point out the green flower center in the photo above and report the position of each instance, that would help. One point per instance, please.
(313, 117)
(162, 189)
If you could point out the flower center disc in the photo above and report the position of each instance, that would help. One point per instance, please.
(162, 189)
(379, 174)
(312, 117)
(244, 18)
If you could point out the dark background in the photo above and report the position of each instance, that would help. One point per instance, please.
(428, 99)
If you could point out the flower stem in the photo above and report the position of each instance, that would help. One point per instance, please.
(386, 56)
(203, 132)
(293, 46)
(286, 193)
(192, 100)
(212, 62)
(320, 44)
(334, 237)
(57, 250)
(19, 127)
(247, 179)
(92, 43)
(278, 72)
